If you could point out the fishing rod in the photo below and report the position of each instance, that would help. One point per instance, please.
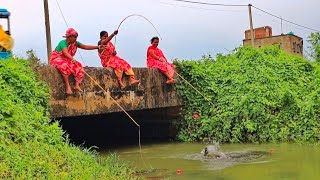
(139, 130)
(99, 84)
(137, 15)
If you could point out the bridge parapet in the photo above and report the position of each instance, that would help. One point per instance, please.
(150, 94)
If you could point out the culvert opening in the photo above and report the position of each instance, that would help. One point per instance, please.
(116, 129)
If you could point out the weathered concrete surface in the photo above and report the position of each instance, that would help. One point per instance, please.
(151, 93)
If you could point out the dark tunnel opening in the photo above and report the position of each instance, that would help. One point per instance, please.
(117, 129)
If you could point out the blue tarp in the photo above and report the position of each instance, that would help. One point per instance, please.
(5, 55)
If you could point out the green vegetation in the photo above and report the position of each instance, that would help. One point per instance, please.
(255, 95)
(314, 40)
(31, 147)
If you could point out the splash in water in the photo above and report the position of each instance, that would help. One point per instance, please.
(213, 157)
(213, 151)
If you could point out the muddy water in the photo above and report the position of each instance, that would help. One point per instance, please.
(243, 161)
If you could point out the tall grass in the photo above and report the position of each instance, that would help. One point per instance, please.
(32, 147)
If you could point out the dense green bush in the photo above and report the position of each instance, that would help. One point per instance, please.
(254, 95)
(33, 148)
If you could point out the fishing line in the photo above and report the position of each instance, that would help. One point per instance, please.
(193, 87)
(115, 41)
(65, 21)
(139, 136)
(98, 83)
(139, 131)
(181, 77)
(161, 39)
(138, 15)
(203, 97)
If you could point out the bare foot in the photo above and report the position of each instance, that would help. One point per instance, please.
(122, 86)
(134, 82)
(68, 90)
(170, 81)
(77, 88)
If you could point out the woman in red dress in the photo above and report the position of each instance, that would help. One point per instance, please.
(109, 58)
(156, 59)
(62, 58)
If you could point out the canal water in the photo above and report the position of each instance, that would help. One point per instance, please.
(244, 161)
(183, 161)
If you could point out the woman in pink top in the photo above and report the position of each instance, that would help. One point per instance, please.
(156, 59)
(62, 58)
(109, 58)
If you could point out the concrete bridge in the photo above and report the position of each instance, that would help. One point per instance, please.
(152, 93)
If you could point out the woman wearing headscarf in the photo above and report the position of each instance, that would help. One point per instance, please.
(109, 58)
(62, 58)
(156, 59)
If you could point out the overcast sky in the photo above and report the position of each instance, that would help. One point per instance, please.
(188, 31)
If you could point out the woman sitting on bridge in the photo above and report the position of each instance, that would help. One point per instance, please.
(156, 59)
(62, 58)
(109, 58)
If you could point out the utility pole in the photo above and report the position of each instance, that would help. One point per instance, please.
(8, 20)
(281, 26)
(251, 25)
(47, 23)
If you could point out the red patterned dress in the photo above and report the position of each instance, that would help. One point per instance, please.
(108, 59)
(64, 64)
(164, 67)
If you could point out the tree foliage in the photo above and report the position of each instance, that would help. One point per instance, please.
(314, 40)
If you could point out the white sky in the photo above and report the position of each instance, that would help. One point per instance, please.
(188, 31)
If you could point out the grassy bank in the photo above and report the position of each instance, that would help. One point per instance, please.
(256, 95)
(31, 147)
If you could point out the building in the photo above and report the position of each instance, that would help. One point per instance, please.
(263, 37)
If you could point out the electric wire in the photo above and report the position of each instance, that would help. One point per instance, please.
(242, 5)
(312, 29)
(199, 8)
(211, 4)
